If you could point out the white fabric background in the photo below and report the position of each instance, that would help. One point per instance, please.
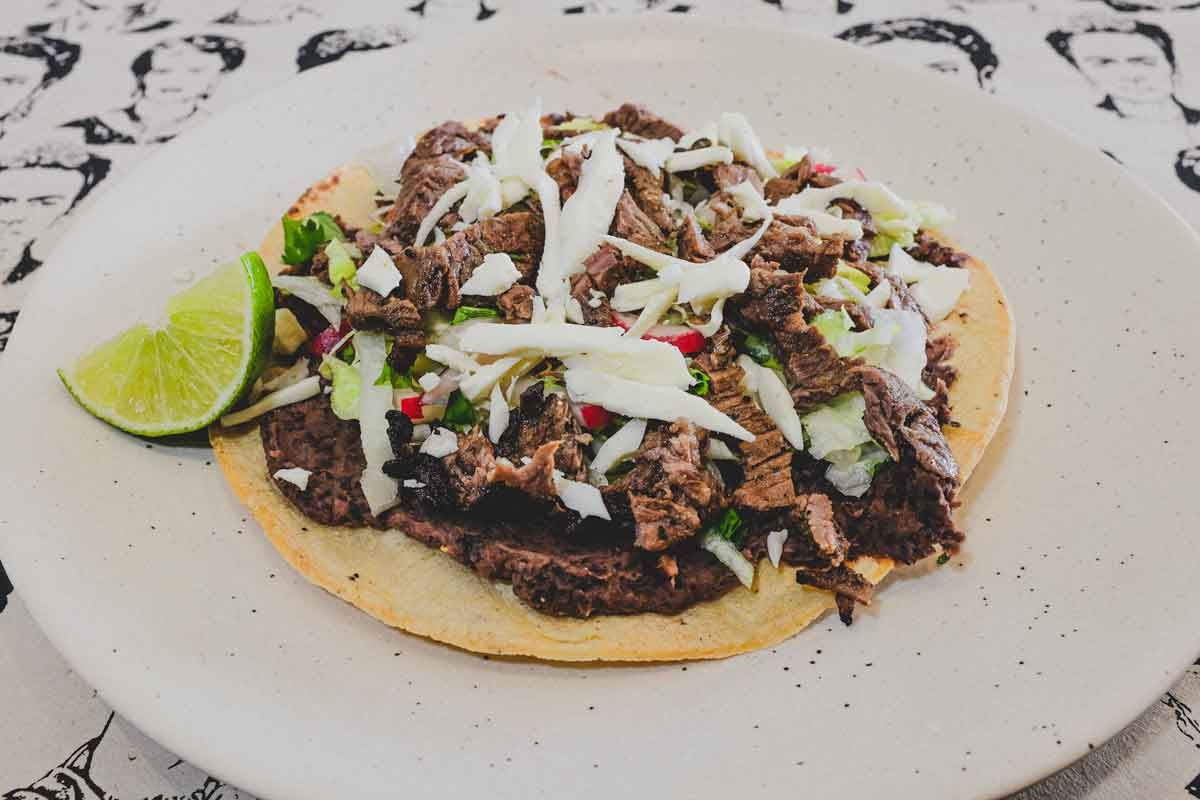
(50, 713)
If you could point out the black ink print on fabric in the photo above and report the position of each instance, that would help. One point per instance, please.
(101, 16)
(841, 6)
(950, 48)
(39, 186)
(172, 81)
(453, 10)
(1184, 721)
(266, 12)
(625, 7)
(1152, 5)
(1131, 62)
(70, 780)
(6, 587)
(28, 66)
(73, 779)
(329, 46)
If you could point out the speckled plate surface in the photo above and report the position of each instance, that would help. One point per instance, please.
(1070, 609)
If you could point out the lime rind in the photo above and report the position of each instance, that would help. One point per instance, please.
(183, 374)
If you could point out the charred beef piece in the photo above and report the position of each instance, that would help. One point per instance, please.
(399, 431)
(903, 425)
(647, 191)
(669, 492)
(607, 268)
(727, 176)
(596, 310)
(772, 296)
(434, 165)
(792, 243)
(906, 514)
(927, 248)
(516, 304)
(692, 244)
(815, 368)
(367, 310)
(565, 170)
(308, 435)
(434, 273)
(766, 461)
(939, 374)
(632, 223)
(823, 180)
(422, 184)
(542, 418)
(816, 542)
(633, 118)
(470, 468)
(790, 182)
(858, 250)
(847, 586)
(535, 478)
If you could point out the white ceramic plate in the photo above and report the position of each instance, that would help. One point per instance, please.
(1071, 608)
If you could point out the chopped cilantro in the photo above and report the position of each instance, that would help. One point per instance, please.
(465, 313)
(943, 558)
(728, 527)
(302, 237)
(551, 144)
(700, 387)
(460, 414)
(397, 378)
(757, 348)
(550, 382)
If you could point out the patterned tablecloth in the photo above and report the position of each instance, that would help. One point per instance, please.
(90, 87)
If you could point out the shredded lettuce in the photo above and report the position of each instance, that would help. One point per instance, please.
(341, 265)
(464, 313)
(729, 528)
(851, 471)
(860, 279)
(838, 425)
(390, 376)
(346, 387)
(302, 237)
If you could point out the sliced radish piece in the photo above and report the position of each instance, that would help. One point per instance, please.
(687, 340)
(324, 341)
(823, 169)
(411, 406)
(594, 416)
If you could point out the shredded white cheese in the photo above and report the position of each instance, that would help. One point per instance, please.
(734, 130)
(302, 390)
(451, 358)
(775, 540)
(580, 497)
(494, 276)
(484, 197)
(634, 399)
(374, 401)
(825, 224)
(443, 205)
(774, 398)
(754, 207)
(296, 476)
(440, 443)
(588, 213)
(719, 451)
(694, 159)
(429, 381)
(620, 445)
(648, 153)
(497, 414)
(730, 556)
(481, 381)
(379, 272)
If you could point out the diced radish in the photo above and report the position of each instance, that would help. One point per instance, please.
(324, 341)
(594, 416)
(411, 407)
(823, 169)
(688, 340)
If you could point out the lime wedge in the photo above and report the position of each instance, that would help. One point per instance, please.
(183, 373)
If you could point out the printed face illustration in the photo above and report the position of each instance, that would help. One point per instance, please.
(19, 77)
(31, 200)
(944, 58)
(1126, 66)
(179, 73)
